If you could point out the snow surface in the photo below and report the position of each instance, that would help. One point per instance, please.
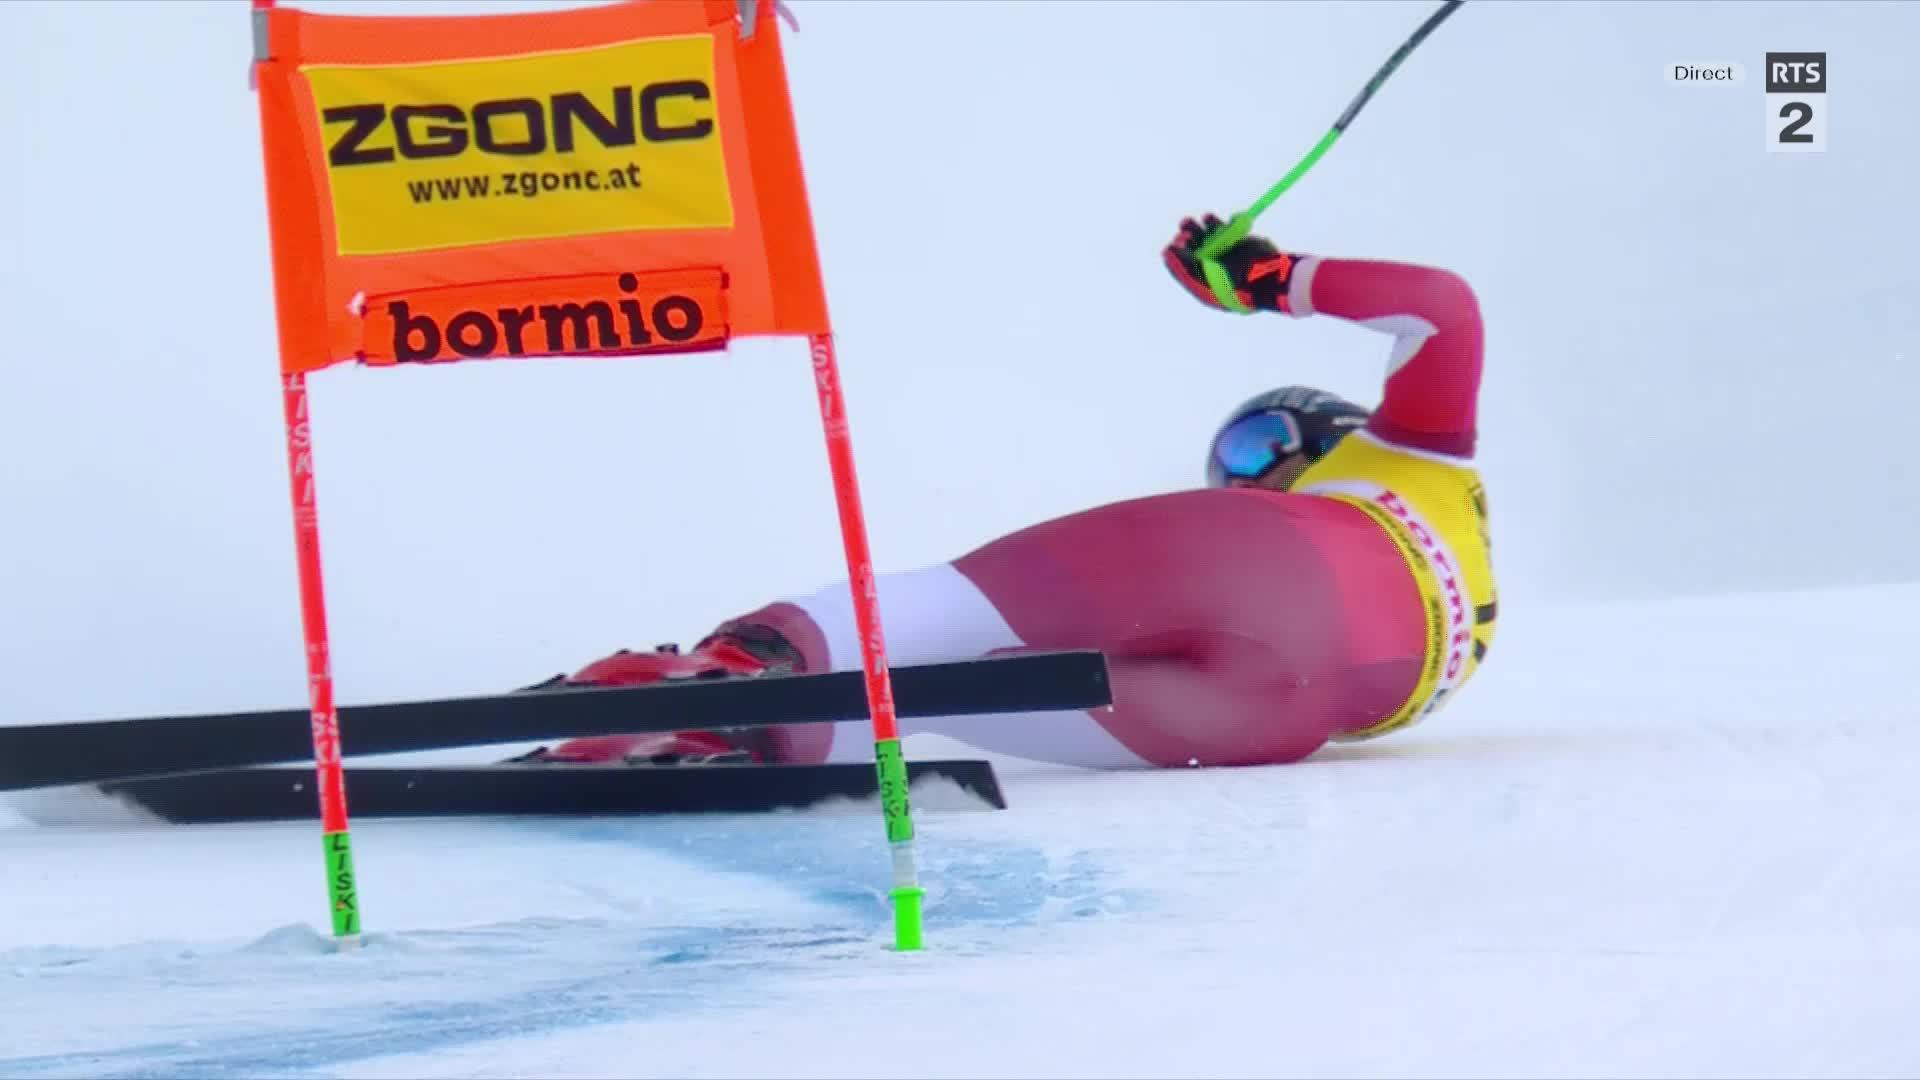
(1667, 832)
(1699, 861)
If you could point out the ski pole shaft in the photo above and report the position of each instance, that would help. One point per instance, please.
(1241, 224)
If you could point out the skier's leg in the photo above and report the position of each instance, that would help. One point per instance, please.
(1240, 628)
(929, 616)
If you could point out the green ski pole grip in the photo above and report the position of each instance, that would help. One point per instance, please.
(1229, 234)
(1242, 224)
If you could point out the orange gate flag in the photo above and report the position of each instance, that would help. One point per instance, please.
(599, 181)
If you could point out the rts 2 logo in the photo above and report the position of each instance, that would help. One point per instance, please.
(1796, 102)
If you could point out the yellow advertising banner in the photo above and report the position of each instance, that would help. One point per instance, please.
(543, 145)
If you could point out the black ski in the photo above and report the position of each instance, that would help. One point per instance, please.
(286, 794)
(55, 754)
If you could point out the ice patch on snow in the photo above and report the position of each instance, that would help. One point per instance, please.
(611, 920)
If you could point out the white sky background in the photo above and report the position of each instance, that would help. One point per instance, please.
(1699, 369)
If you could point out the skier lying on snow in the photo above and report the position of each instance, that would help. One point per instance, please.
(1333, 581)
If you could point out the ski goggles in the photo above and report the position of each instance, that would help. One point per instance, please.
(1254, 444)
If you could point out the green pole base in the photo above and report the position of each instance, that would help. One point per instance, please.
(343, 895)
(907, 908)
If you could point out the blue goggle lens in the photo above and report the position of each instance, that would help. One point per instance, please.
(1250, 446)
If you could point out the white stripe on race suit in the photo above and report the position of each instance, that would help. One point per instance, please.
(1446, 575)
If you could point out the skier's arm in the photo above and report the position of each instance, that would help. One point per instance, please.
(1433, 372)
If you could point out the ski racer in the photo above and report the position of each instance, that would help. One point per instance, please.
(1332, 581)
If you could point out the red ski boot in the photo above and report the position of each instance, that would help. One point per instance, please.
(740, 651)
